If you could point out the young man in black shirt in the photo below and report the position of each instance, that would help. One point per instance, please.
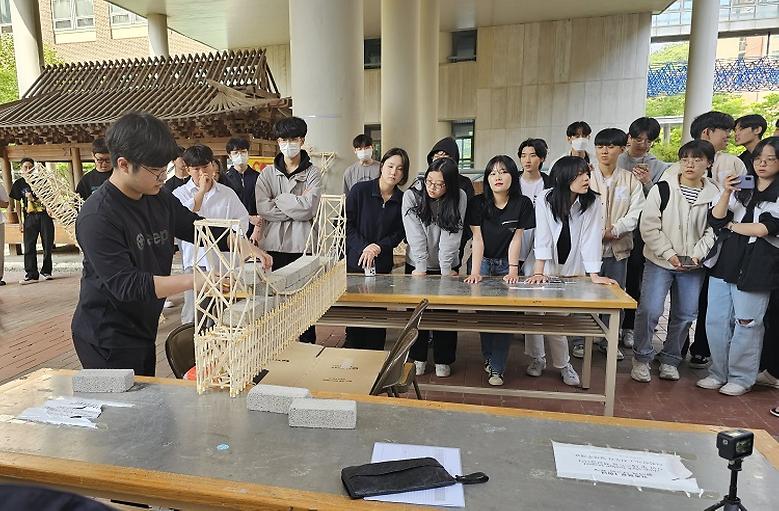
(35, 222)
(243, 180)
(180, 173)
(92, 180)
(126, 231)
(748, 133)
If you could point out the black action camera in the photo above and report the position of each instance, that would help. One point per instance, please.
(735, 444)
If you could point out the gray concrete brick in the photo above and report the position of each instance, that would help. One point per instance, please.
(323, 413)
(273, 398)
(103, 380)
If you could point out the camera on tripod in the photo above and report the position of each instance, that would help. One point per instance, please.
(735, 444)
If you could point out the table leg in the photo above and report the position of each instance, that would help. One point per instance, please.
(587, 363)
(611, 362)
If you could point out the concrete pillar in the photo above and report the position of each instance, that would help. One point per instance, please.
(28, 45)
(701, 60)
(427, 79)
(399, 56)
(8, 180)
(326, 54)
(158, 35)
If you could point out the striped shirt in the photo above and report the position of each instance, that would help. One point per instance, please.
(690, 193)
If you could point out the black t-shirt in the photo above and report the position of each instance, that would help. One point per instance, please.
(498, 226)
(174, 182)
(125, 243)
(19, 191)
(91, 181)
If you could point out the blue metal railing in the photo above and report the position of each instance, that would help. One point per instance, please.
(730, 75)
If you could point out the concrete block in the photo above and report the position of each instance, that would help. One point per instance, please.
(323, 413)
(103, 380)
(232, 314)
(274, 398)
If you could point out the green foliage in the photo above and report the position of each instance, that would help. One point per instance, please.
(672, 52)
(8, 84)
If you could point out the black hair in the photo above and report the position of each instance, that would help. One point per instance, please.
(198, 155)
(236, 144)
(574, 128)
(745, 196)
(448, 218)
(565, 171)
(777, 124)
(648, 125)
(98, 146)
(142, 139)
(290, 127)
(611, 136)
(711, 120)
(698, 149)
(362, 141)
(753, 121)
(488, 204)
(26, 159)
(181, 151)
(397, 151)
(538, 144)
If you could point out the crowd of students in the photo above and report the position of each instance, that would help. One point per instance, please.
(702, 229)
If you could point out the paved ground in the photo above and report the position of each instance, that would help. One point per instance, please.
(35, 333)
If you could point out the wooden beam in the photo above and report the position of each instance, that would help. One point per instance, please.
(76, 168)
(13, 217)
(45, 152)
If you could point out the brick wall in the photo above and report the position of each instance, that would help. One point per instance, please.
(105, 47)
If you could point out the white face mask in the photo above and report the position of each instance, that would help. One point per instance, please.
(579, 144)
(289, 149)
(364, 154)
(240, 159)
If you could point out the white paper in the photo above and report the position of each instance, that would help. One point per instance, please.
(618, 466)
(69, 411)
(448, 457)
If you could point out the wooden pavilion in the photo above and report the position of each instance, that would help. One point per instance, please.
(204, 98)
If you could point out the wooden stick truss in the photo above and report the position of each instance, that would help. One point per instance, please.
(53, 190)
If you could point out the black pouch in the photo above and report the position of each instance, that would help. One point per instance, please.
(400, 476)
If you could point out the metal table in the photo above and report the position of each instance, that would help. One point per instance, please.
(163, 451)
(493, 306)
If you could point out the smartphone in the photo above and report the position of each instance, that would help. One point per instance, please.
(687, 262)
(747, 182)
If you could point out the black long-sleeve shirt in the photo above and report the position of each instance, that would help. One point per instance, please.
(371, 220)
(125, 242)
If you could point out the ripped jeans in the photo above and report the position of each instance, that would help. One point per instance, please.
(735, 329)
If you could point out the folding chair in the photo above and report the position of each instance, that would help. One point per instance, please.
(180, 349)
(396, 373)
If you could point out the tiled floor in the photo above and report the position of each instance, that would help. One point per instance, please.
(35, 333)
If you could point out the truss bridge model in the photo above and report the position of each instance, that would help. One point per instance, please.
(244, 316)
(53, 190)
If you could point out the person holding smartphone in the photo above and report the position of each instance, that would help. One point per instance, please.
(673, 228)
(744, 272)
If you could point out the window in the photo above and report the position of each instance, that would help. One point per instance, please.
(5, 13)
(372, 52)
(463, 46)
(73, 15)
(121, 17)
(374, 131)
(462, 131)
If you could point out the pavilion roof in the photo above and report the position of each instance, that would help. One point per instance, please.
(200, 96)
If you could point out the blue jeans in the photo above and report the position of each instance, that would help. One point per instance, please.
(735, 332)
(685, 287)
(495, 347)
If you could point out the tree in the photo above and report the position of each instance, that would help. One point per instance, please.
(671, 52)
(8, 84)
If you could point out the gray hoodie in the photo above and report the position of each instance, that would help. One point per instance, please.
(430, 247)
(656, 167)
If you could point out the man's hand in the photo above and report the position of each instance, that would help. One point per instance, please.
(538, 278)
(368, 256)
(641, 172)
(473, 278)
(512, 277)
(608, 234)
(675, 262)
(418, 273)
(597, 279)
(256, 236)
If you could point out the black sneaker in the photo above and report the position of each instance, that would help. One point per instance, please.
(698, 362)
(28, 280)
(2, 282)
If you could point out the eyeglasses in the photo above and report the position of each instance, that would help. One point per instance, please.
(770, 160)
(433, 185)
(499, 172)
(642, 141)
(695, 161)
(102, 160)
(158, 173)
(239, 152)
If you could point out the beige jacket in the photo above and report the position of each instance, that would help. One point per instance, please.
(725, 164)
(288, 206)
(622, 205)
(681, 229)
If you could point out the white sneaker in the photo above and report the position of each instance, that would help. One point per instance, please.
(47, 276)
(536, 367)
(442, 370)
(627, 338)
(578, 351)
(669, 372)
(420, 367)
(603, 348)
(640, 372)
(767, 380)
(168, 304)
(709, 383)
(733, 389)
(496, 379)
(569, 376)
